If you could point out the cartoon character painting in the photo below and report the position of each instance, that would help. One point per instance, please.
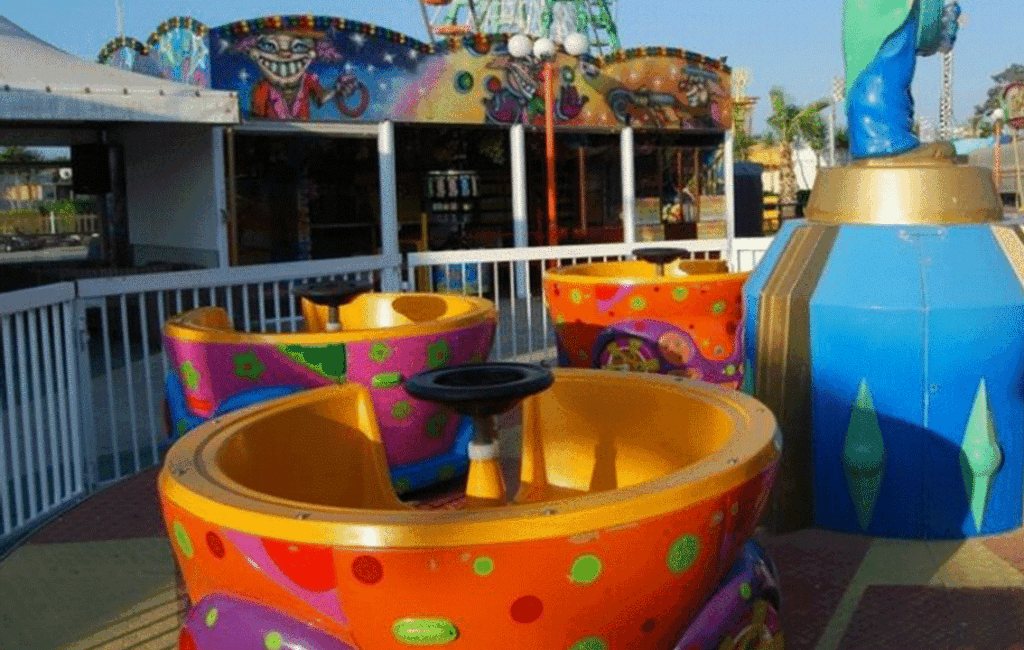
(521, 98)
(288, 85)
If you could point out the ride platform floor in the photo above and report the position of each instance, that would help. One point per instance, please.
(102, 576)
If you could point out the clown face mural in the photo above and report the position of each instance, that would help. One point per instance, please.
(288, 85)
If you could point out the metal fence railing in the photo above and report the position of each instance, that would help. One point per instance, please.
(123, 320)
(41, 453)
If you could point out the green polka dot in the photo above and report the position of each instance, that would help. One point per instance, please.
(482, 566)
(273, 640)
(730, 370)
(718, 307)
(190, 375)
(446, 472)
(436, 424)
(585, 569)
(386, 379)
(184, 543)
(638, 303)
(401, 410)
(746, 591)
(402, 485)
(679, 293)
(576, 296)
(583, 355)
(438, 354)
(380, 352)
(683, 553)
(182, 425)
(560, 319)
(211, 617)
(590, 643)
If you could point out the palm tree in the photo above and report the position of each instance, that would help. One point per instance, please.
(791, 123)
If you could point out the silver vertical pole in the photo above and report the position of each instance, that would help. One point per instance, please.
(730, 201)
(520, 223)
(628, 186)
(390, 279)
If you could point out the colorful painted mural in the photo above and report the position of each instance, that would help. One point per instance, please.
(177, 49)
(323, 68)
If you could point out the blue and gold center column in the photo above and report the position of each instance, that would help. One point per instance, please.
(886, 332)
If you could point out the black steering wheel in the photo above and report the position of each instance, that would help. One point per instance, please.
(659, 256)
(333, 293)
(482, 389)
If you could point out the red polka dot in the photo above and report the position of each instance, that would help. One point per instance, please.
(730, 327)
(648, 625)
(611, 313)
(185, 641)
(215, 544)
(527, 609)
(367, 570)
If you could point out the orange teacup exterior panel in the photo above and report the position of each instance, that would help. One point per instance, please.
(634, 586)
(688, 327)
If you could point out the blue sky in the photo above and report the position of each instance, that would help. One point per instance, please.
(795, 43)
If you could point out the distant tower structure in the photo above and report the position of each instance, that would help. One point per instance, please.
(946, 98)
(555, 19)
(945, 129)
(743, 104)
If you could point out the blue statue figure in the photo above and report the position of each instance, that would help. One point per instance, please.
(881, 42)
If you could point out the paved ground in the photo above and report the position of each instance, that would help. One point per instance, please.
(101, 576)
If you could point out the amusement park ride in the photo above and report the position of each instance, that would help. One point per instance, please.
(879, 333)
(555, 19)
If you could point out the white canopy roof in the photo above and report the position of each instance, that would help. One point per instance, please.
(40, 83)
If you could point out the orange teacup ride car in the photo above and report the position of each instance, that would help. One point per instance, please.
(636, 500)
(658, 314)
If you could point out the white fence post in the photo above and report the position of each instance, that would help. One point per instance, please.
(628, 186)
(520, 222)
(730, 202)
(78, 349)
(390, 278)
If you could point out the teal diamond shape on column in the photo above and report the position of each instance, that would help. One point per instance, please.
(864, 456)
(748, 378)
(980, 455)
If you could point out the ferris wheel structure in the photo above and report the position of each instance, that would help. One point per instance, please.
(555, 19)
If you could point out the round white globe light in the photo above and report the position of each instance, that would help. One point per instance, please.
(520, 45)
(544, 48)
(997, 114)
(576, 44)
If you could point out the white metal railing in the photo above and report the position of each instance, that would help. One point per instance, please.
(123, 319)
(83, 369)
(41, 455)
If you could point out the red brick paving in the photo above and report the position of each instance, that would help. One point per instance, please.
(815, 567)
(1009, 547)
(894, 617)
(128, 509)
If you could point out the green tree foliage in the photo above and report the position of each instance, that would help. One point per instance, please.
(790, 125)
(979, 121)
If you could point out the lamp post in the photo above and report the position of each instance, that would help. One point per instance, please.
(997, 132)
(544, 49)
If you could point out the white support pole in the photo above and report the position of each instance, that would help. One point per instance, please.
(730, 201)
(628, 186)
(832, 136)
(220, 196)
(520, 223)
(390, 279)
